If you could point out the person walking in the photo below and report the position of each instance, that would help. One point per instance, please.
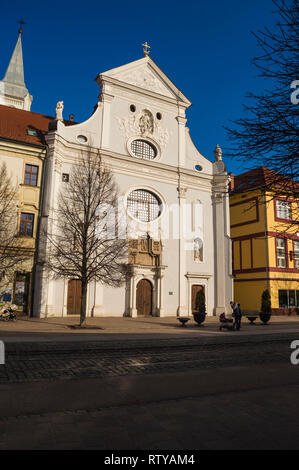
(237, 314)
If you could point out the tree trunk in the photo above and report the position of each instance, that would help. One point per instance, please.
(83, 303)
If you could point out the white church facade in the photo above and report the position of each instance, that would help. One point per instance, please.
(175, 200)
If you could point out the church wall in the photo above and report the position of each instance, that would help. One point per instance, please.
(114, 301)
(194, 158)
(124, 125)
(159, 230)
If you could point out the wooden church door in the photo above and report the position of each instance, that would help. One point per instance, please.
(144, 294)
(74, 297)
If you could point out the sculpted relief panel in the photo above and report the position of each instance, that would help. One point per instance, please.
(143, 125)
(145, 79)
(145, 251)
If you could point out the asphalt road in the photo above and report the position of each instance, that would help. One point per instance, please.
(227, 393)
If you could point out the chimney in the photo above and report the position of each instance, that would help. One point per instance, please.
(232, 182)
(71, 117)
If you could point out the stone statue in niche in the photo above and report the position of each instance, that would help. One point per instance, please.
(198, 249)
(146, 123)
(59, 109)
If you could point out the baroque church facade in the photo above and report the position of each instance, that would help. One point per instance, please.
(174, 200)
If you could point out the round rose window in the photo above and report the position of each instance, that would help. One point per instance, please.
(144, 205)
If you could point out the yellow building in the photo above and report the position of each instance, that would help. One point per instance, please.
(23, 150)
(265, 241)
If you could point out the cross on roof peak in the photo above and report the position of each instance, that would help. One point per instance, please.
(21, 24)
(146, 49)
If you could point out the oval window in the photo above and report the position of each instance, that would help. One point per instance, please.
(143, 149)
(198, 167)
(82, 138)
(144, 205)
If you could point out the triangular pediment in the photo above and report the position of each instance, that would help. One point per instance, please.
(145, 73)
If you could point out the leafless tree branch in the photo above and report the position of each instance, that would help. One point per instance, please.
(82, 245)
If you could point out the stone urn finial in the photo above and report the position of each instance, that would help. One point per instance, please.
(218, 153)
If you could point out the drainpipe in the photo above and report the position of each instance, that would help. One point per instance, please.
(40, 209)
(266, 240)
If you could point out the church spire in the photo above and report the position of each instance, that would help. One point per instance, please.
(13, 91)
(15, 69)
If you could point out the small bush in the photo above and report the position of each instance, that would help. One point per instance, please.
(200, 304)
(266, 302)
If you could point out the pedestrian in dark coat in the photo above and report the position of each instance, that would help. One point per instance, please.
(237, 314)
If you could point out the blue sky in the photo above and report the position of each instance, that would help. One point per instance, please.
(204, 47)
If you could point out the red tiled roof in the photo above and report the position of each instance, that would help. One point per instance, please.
(15, 123)
(261, 177)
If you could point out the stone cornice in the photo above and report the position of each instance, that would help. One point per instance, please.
(198, 275)
(23, 148)
(141, 99)
(142, 91)
(181, 120)
(128, 165)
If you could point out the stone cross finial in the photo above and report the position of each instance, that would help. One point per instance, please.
(59, 109)
(218, 153)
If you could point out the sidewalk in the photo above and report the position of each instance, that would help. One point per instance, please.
(128, 329)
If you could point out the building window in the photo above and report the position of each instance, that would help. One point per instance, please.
(82, 138)
(65, 177)
(283, 209)
(143, 149)
(31, 172)
(144, 205)
(296, 254)
(32, 132)
(26, 225)
(283, 298)
(288, 298)
(281, 252)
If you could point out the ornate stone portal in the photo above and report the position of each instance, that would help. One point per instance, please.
(145, 251)
(144, 262)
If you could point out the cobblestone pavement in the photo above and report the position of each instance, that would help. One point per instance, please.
(217, 393)
(60, 361)
(255, 419)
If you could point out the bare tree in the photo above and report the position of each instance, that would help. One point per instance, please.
(268, 134)
(12, 251)
(84, 242)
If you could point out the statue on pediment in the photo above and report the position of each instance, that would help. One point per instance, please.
(59, 109)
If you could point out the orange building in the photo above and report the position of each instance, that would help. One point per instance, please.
(265, 241)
